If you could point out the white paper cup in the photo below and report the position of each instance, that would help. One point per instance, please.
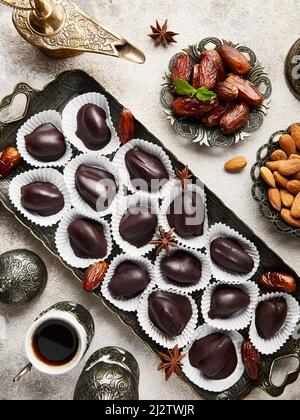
(240, 320)
(163, 282)
(127, 305)
(195, 375)
(39, 175)
(69, 122)
(93, 159)
(32, 124)
(62, 239)
(274, 344)
(152, 149)
(220, 230)
(156, 334)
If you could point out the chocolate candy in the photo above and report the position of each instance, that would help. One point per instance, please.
(129, 281)
(170, 312)
(87, 239)
(92, 128)
(182, 268)
(230, 255)
(270, 317)
(187, 214)
(143, 166)
(227, 301)
(46, 143)
(215, 356)
(42, 198)
(138, 226)
(95, 186)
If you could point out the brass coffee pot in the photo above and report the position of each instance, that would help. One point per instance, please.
(60, 29)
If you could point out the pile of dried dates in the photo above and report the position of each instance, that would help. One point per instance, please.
(215, 90)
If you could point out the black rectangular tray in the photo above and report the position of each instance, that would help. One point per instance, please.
(55, 96)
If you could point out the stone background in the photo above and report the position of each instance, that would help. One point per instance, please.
(269, 27)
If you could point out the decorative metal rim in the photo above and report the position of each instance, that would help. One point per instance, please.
(213, 137)
(260, 190)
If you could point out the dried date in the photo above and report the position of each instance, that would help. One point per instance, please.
(212, 119)
(251, 360)
(182, 68)
(191, 107)
(221, 74)
(227, 91)
(235, 60)
(126, 126)
(234, 118)
(248, 92)
(278, 282)
(10, 158)
(94, 276)
(205, 74)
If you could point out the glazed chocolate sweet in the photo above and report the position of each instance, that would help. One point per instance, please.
(46, 143)
(215, 356)
(129, 281)
(42, 198)
(270, 317)
(230, 255)
(170, 312)
(138, 226)
(96, 187)
(187, 215)
(227, 301)
(182, 268)
(87, 239)
(146, 167)
(92, 127)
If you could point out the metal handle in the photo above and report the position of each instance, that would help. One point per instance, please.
(23, 372)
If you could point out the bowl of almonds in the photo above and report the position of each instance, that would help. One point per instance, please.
(276, 178)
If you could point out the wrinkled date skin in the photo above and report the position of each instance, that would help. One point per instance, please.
(212, 119)
(126, 126)
(221, 73)
(94, 276)
(251, 360)
(278, 282)
(205, 73)
(182, 68)
(248, 92)
(227, 91)
(191, 107)
(234, 118)
(10, 158)
(235, 60)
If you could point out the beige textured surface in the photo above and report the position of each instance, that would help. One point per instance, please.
(258, 24)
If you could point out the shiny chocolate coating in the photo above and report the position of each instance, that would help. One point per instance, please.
(129, 281)
(92, 127)
(187, 215)
(270, 317)
(227, 301)
(138, 226)
(46, 143)
(169, 312)
(230, 255)
(95, 186)
(144, 166)
(182, 268)
(42, 198)
(215, 356)
(87, 239)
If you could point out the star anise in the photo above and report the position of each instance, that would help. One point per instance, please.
(161, 35)
(171, 362)
(183, 175)
(164, 241)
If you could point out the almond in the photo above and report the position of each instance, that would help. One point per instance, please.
(287, 198)
(236, 165)
(273, 166)
(297, 177)
(268, 177)
(289, 219)
(295, 212)
(280, 179)
(289, 167)
(293, 187)
(278, 155)
(287, 144)
(275, 198)
(293, 156)
(295, 133)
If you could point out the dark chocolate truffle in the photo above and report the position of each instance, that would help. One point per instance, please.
(170, 312)
(87, 239)
(129, 281)
(182, 268)
(92, 127)
(270, 317)
(215, 356)
(42, 198)
(95, 186)
(46, 143)
(230, 255)
(138, 226)
(227, 301)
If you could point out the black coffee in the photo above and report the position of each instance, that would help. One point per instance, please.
(55, 343)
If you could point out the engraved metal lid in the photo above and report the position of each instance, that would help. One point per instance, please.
(292, 69)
